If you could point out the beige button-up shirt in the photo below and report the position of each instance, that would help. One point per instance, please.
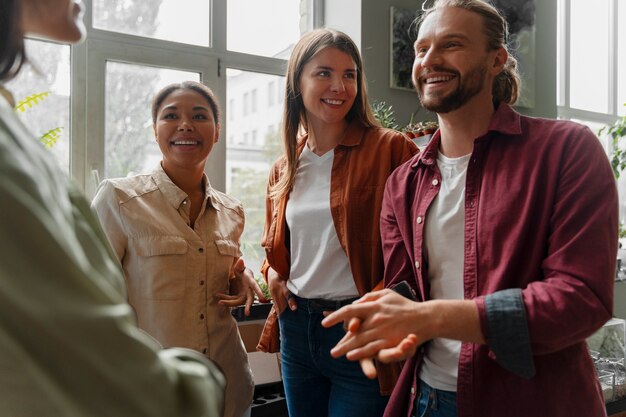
(173, 271)
(69, 346)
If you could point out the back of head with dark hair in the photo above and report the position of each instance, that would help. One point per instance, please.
(12, 54)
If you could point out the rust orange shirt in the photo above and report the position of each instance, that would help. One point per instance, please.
(363, 161)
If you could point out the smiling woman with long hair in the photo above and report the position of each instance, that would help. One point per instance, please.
(321, 235)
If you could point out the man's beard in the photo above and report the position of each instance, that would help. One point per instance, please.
(468, 87)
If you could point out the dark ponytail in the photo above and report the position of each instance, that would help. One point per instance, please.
(12, 54)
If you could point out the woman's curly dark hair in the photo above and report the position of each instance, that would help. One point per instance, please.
(12, 54)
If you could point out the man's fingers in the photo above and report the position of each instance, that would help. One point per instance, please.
(346, 313)
(371, 296)
(354, 324)
(404, 350)
(368, 368)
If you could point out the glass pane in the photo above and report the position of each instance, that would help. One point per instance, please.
(160, 19)
(47, 83)
(589, 55)
(253, 144)
(262, 30)
(130, 147)
(621, 69)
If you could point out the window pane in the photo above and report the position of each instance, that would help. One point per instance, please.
(253, 145)
(51, 79)
(621, 69)
(160, 19)
(130, 147)
(589, 55)
(262, 30)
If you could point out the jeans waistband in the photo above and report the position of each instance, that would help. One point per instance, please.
(322, 304)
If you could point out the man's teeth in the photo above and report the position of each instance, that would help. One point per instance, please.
(438, 79)
(185, 142)
(330, 101)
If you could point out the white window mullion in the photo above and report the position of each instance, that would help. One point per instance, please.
(613, 51)
(564, 40)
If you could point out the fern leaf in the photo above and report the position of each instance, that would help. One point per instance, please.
(30, 101)
(50, 138)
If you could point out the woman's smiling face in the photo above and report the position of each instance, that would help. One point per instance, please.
(328, 85)
(185, 130)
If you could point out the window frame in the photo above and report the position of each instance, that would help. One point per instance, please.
(88, 75)
(564, 108)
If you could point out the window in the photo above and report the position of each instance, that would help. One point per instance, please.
(271, 92)
(253, 101)
(269, 31)
(246, 103)
(591, 88)
(248, 167)
(101, 90)
(159, 19)
(130, 147)
(44, 89)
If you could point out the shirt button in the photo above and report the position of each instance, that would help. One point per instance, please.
(412, 390)
(201, 316)
(205, 350)
(435, 182)
(417, 264)
(185, 202)
(419, 219)
(200, 250)
(201, 282)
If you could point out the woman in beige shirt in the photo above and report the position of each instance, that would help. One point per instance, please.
(177, 239)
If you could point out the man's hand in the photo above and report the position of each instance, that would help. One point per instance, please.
(381, 325)
(243, 287)
(389, 327)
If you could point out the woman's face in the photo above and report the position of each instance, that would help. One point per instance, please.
(185, 130)
(60, 20)
(328, 85)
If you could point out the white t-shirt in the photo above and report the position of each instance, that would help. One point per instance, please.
(319, 266)
(444, 238)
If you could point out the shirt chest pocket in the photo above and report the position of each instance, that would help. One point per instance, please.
(227, 252)
(161, 267)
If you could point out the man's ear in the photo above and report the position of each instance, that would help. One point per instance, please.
(499, 61)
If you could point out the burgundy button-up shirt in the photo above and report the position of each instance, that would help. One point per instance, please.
(539, 260)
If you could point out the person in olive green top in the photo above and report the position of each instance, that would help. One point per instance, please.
(68, 343)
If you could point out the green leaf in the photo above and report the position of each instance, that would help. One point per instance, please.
(30, 101)
(617, 132)
(50, 138)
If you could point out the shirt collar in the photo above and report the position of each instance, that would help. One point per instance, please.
(505, 121)
(174, 195)
(353, 136)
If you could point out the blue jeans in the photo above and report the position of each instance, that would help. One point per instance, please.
(432, 402)
(317, 385)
